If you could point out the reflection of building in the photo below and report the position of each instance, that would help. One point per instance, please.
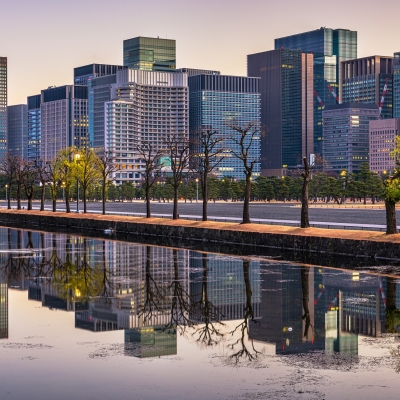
(226, 289)
(3, 310)
(151, 341)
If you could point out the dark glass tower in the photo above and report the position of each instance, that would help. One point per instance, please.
(151, 54)
(286, 89)
(330, 47)
(396, 86)
(34, 127)
(3, 105)
(17, 130)
(82, 75)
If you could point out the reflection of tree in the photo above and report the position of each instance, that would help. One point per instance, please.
(180, 304)
(392, 312)
(153, 294)
(243, 328)
(205, 311)
(306, 297)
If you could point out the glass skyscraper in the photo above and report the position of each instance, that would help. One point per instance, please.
(17, 131)
(286, 88)
(216, 100)
(365, 79)
(330, 47)
(396, 86)
(34, 127)
(3, 105)
(82, 75)
(150, 54)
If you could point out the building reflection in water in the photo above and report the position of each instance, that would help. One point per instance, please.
(152, 293)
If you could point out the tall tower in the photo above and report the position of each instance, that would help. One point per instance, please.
(3, 105)
(396, 86)
(150, 54)
(330, 47)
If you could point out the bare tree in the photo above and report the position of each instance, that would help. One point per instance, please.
(306, 175)
(208, 154)
(29, 176)
(42, 177)
(177, 148)
(244, 140)
(19, 180)
(105, 163)
(9, 165)
(53, 178)
(150, 156)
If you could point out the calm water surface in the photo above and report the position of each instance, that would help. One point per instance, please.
(101, 319)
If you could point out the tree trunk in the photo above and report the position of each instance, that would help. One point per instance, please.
(104, 196)
(19, 196)
(391, 227)
(67, 205)
(305, 222)
(54, 204)
(205, 199)
(148, 213)
(246, 204)
(30, 202)
(175, 211)
(9, 196)
(42, 195)
(84, 199)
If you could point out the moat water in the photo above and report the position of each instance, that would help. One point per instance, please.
(90, 318)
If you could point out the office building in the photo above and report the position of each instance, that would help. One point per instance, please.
(99, 92)
(346, 135)
(330, 47)
(146, 106)
(217, 100)
(17, 131)
(382, 133)
(34, 127)
(3, 106)
(396, 85)
(3, 309)
(195, 71)
(150, 54)
(82, 75)
(368, 80)
(286, 88)
(63, 119)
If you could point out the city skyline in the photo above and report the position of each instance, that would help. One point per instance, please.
(62, 47)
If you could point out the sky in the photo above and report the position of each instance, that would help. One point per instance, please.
(45, 39)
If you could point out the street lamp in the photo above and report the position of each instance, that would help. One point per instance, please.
(197, 190)
(63, 188)
(77, 156)
(6, 192)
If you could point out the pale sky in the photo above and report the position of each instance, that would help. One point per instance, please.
(45, 39)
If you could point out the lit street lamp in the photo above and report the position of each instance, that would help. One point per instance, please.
(197, 190)
(6, 192)
(63, 188)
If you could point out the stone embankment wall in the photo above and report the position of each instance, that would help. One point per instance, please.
(312, 240)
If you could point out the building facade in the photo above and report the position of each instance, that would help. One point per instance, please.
(382, 135)
(368, 80)
(286, 88)
(146, 106)
(330, 47)
(82, 75)
(217, 100)
(150, 54)
(34, 127)
(17, 131)
(396, 85)
(346, 135)
(3, 106)
(63, 119)
(195, 71)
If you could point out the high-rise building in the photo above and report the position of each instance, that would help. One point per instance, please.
(195, 71)
(150, 54)
(87, 72)
(286, 88)
(396, 85)
(346, 135)
(330, 47)
(146, 106)
(217, 100)
(17, 131)
(63, 119)
(34, 127)
(366, 80)
(382, 133)
(3, 105)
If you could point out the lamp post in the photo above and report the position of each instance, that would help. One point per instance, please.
(6, 193)
(63, 188)
(77, 156)
(197, 190)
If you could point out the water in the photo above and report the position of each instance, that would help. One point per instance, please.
(92, 318)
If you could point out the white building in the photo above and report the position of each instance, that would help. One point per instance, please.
(381, 143)
(145, 107)
(63, 118)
